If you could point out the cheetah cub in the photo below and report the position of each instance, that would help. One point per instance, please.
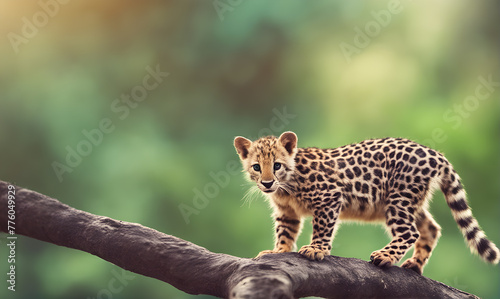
(390, 179)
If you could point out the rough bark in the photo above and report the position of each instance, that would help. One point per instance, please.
(195, 270)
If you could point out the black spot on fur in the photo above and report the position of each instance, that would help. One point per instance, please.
(432, 162)
(459, 205)
(302, 169)
(349, 174)
(406, 194)
(392, 210)
(378, 156)
(357, 171)
(472, 234)
(351, 161)
(492, 256)
(310, 156)
(400, 222)
(365, 188)
(483, 245)
(402, 229)
(456, 189)
(374, 194)
(285, 234)
(312, 178)
(289, 221)
(452, 178)
(420, 152)
(406, 236)
(465, 222)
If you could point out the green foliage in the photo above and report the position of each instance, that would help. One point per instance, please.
(238, 75)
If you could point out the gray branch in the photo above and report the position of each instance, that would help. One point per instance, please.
(195, 270)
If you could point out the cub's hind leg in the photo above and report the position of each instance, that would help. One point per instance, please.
(430, 232)
(400, 220)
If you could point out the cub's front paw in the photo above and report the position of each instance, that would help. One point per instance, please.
(382, 258)
(313, 252)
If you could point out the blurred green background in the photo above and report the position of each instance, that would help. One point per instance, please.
(334, 72)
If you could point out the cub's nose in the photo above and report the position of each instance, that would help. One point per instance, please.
(267, 184)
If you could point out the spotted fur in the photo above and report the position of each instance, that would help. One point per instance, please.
(390, 179)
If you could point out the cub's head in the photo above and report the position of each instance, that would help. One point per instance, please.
(269, 161)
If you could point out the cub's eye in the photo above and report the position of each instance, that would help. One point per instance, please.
(256, 167)
(277, 166)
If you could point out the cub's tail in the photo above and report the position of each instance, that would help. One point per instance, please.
(457, 201)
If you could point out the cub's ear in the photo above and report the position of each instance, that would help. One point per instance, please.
(289, 141)
(242, 145)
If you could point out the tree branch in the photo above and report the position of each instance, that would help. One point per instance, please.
(195, 270)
